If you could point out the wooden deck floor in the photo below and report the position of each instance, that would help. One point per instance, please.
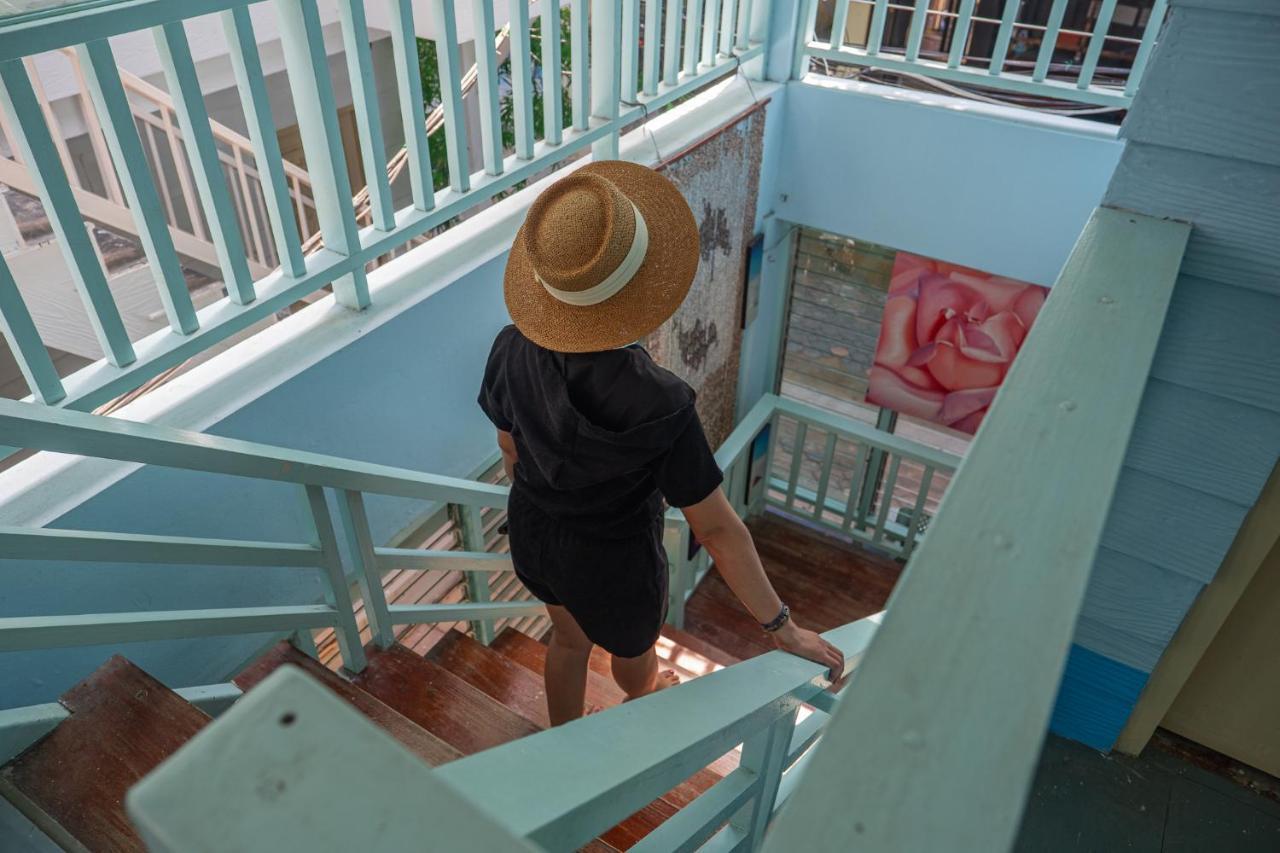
(825, 582)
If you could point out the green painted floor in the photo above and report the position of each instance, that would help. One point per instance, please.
(1083, 800)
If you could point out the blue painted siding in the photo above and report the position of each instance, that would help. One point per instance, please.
(1200, 147)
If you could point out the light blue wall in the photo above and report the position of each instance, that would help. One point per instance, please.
(949, 181)
(402, 395)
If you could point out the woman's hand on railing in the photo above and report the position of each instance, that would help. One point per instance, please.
(809, 645)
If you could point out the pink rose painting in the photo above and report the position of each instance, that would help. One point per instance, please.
(948, 337)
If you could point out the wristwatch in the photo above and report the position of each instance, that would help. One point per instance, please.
(784, 616)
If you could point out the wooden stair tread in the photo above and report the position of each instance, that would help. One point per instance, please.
(698, 646)
(72, 782)
(627, 834)
(439, 701)
(423, 743)
(602, 692)
(494, 674)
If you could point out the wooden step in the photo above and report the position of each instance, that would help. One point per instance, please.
(686, 642)
(439, 701)
(423, 743)
(493, 674)
(602, 692)
(730, 629)
(72, 782)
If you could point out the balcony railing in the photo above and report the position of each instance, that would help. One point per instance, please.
(953, 24)
(614, 83)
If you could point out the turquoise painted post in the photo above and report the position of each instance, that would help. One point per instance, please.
(355, 524)
(652, 26)
(875, 34)
(552, 95)
(917, 512)
(680, 572)
(1001, 48)
(580, 85)
(797, 457)
(521, 81)
(804, 32)
(915, 34)
(1149, 35)
(202, 151)
(710, 19)
(487, 86)
(1050, 40)
(364, 101)
(838, 24)
(1096, 41)
(757, 505)
(960, 38)
(112, 106)
(307, 64)
(671, 42)
(304, 641)
(765, 755)
(693, 36)
(337, 592)
(630, 66)
(24, 341)
(745, 23)
(886, 499)
(606, 82)
(828, 455)
(728, 28)
(404, 50)
(852, 507)
(455, 122)
(35, 146)
(247, 67)
(472, 534)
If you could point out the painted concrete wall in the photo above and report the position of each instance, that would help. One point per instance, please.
(1200, 148)
(988, 187)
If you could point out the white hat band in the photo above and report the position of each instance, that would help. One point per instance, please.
(616, 280)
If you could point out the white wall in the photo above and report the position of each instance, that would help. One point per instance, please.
(994, 188)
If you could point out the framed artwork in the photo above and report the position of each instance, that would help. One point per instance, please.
(751, 286)
(947, 339)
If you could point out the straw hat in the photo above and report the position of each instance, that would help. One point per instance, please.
(604, 256)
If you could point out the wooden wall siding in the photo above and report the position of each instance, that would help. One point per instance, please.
(1201, 147)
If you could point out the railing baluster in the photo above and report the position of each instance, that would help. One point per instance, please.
(917, 512)
(1001, 48)
(875, 32)
(472, 534)
(886, 498)
(552, 118)
(183, 170)
(24, 340)
(487, 86)
(1096, 41)
(1149, 35)
(838, 24)
(692, 36)
(364, 102)
(247, 66)
(797, 457)
(760, 12)
(728, 18)
(337, 593)
(455, 122)
(652, 41)
(606, 85)
(763, 497)
(671, 42)
(744, 24)
(710, 18)
(804, 32)
(404, 49)
(307, 64)
(630, 67)
(580, 84)
(202, 150)
(113, 109)
(855, 486)
(765, 755)
(828, 455)
(355, 523)
(915, 34)
(1049, 41)
(35, 146)
(248, 205)
(960, 36)
(521, 80)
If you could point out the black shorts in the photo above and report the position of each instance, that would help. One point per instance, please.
(616, 589)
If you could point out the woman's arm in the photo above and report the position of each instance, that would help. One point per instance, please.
(507, 445)
(721, 532)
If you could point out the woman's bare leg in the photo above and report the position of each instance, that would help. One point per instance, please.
(639, 676)
(566, 669)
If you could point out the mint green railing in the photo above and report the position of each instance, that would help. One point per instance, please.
(606, 61)
(859, 30)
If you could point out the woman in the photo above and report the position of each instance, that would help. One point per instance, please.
(594, 435)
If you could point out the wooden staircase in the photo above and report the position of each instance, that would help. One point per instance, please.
(461, 698)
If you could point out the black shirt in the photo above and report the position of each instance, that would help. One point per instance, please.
(601, 437)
